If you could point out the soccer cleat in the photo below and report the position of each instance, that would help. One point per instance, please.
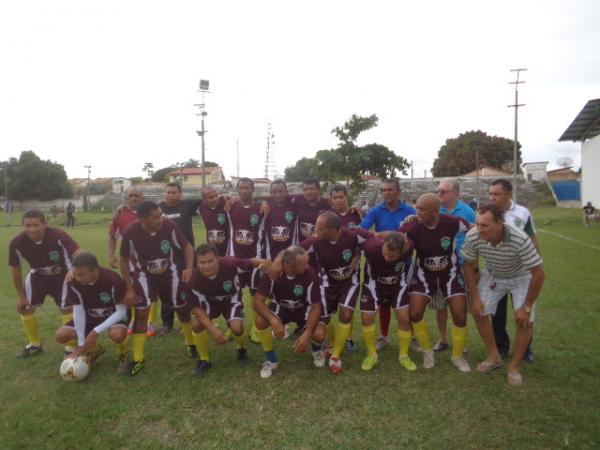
(351, 345)
(382, 343)
(134, 367)
(461, 364)
(267, 369)
(254, 336)
(242, 356)
(440, 346)
(96, 353)
(130, 330)
(428, 359)
(369, 362)
(407, 363)
(192, 351)
(202, 367)
(151, 331)
(122, 363)
(29, 350)
(335, 365)
(319, 358)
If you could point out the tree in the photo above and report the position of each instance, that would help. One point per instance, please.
(30, 177)
(162, 174)
(149, 169)
(299, 171)
(458, 155)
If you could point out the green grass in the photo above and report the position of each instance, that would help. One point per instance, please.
(305, 407)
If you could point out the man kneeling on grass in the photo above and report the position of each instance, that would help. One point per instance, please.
(296, 297)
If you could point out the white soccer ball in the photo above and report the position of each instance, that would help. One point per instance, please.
(75, 369)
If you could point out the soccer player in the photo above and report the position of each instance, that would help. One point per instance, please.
(436, 268)
(386, 279)
(589, 214)
(296, 297)
(96, 296)
(280, 224)
(512, 265)
(448, 191)
(148, 266)
(308, 206)
(49, 252)
(387, 216)
(217, 291)
(216, 222)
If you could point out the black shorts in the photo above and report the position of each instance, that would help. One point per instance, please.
(344, 296)
(37, 286)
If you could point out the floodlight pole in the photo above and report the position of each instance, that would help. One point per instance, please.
(87, 204)
(515, 145)
(203, 89)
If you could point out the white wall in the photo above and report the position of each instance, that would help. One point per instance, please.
(590, 168)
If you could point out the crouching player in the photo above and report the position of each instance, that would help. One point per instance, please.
(96, 296)
(296, 297)
(216, 291)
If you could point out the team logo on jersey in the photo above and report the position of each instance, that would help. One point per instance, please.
(54, 256)
(227, 286)
(445, 242)
(436, 263)
(306, 229)
(291, 304)
(518, 222)
(298, 290)
(215, 236)
(281, 234)
(165, 247)
(221, 218)
(99, 313)
(399, 266)
(388, 281)
(347, 255)
(253, 219)
(105, 297)
(289, 216)
(244, 237)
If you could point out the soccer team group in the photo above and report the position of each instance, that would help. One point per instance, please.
(300, 257)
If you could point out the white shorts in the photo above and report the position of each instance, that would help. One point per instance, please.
(492, 289)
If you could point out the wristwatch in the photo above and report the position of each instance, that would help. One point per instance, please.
(527, 309)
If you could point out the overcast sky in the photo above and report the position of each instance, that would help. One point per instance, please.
(112, 84)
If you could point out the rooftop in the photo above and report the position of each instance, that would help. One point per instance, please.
(586, 125)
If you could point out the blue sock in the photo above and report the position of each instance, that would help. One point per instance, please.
(271, 356)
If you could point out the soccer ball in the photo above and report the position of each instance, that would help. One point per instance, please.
(75, 369)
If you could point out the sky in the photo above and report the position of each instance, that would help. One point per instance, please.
(112, 84)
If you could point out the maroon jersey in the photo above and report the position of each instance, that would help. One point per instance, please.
(349, 219)
(436, 248)
(225, 285)
(121, 221)
(217, 225)
(153, 254)
(379, 273)
(99, 299)
(51, 256)
(334, 258)
(280, 228)
(295, 293)
(307, 215)
(246, 228)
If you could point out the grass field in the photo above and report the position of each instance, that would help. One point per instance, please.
(303, 407)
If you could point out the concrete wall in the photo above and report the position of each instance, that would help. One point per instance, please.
(590, 170)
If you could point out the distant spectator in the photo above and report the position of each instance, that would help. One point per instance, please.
(473, 204)
(70, 215)
(589, 214)
(364, 208)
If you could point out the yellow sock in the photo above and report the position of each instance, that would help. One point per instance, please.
(266, 339)
(122, 347)
(369, 338)
(330, 328)
(186, 329)
(459, 338)
(201, 341)
(420, 330)
(404, 338)
(29, 323)
(139, 341)
(152, 313)
(66, 318)
(240, 341)
(72, 344)
(341, 334)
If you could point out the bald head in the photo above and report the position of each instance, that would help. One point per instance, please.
(135, 196)
(428, 209)
(295, 260)
(210, 197)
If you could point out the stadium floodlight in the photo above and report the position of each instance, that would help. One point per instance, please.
(204, 85)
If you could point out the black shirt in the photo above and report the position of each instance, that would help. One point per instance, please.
(182, 214)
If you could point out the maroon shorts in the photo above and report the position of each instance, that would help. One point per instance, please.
(37, 286)
(250, 280)
(344, 295)
(91, 324)
(287, 315)
(372, 299)
(449, 283)
(231, 308)
(173, 292)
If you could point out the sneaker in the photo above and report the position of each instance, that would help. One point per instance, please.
(369, 362)
(382, 343)
(134, 367)
(351, 345)
(163, 331)
(428, 359)
(407, 363)
(254, 336)
(96, 353)
(202, 367)
(440, 346)
(267, 369)
(242, 356)
(29, 350)
(319, 358)
(461, 364)
(335, 365)
(122, 363)
(151, 331)
(414, 346)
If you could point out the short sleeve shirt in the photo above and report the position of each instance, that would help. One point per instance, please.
(465, 212)
(293, 293)
(121, 221)
(216, 223)
(386, 275)
(519, 217)
(225, 284)
(308, 214)
(589, 210)
(280, 228)
(386, 220)
(182, 214)
(349, 219)
(247, 228)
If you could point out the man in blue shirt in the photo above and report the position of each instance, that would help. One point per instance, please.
(387, 216)
(448, 190)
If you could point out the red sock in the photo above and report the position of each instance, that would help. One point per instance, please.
(385, 315)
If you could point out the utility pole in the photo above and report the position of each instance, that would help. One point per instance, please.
(269, 156)
(516, 105)
(237, 152)
(87, 203)
(412, 169)
(203, 89)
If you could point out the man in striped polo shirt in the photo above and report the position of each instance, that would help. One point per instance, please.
(512, 265)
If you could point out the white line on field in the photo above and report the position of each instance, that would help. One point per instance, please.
(567, 238)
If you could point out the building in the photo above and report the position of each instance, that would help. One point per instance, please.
(487, 171)
(120, 185)
(535, 171)
(193, 175)
(585, 128)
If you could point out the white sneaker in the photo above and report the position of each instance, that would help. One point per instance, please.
(428, 359)
(382, 343)
(319, 358)
(461, 364)
(267, 369)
